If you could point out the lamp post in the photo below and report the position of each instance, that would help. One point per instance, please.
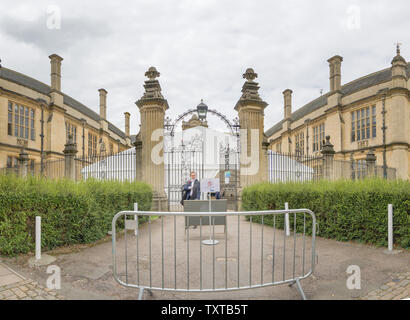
(202, 110)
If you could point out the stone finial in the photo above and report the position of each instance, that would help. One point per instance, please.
(23, 156)
(250, 75)
(398, 70)
(152, 73)
(152, 87)
(70, 146)
(370, 156)
(398, 57)
(250, 88)
(327, 147)
(398, 44)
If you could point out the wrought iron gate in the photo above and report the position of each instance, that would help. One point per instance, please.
(179, 162)
(229, 176)
(193, 155)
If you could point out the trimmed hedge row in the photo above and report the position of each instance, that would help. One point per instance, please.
(345, 210)
(71, 212)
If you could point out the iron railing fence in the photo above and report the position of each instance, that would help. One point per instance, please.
(51, 169)
(120, 166)
(360, 169)
(156, 256)
(284, 167)
(387, 173)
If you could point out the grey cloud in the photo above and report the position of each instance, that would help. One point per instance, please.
(36, 33)
(203, 47)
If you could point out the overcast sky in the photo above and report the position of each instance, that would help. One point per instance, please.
(201, 48)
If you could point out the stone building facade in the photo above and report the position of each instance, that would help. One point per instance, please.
(372, 112)
(39, 117)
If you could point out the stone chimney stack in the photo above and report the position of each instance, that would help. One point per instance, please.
(103, 104)
(287, 96)
(55, 62)
(127, 123)
(335, 75)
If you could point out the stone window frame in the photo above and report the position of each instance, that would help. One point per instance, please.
(318, 136)
(20, 121)
(71, 128)
(363, 123)
(12, 162)
(300, 143)
(92, 144)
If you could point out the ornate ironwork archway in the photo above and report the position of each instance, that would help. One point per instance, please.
(189, 155)
(170, 126)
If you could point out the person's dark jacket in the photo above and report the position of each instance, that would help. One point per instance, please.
(196, 191)
(217, 195)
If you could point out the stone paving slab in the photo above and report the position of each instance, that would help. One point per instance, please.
(27, 290)
(15, 287)
(8, 276)
(397, 289)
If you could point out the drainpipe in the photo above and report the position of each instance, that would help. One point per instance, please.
(307, 136)
(83, 137)
(384, 136)
(42, 139)
(42, 104)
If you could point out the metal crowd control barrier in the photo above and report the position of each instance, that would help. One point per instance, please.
(157, 256)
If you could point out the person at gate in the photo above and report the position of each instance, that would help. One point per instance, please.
(192, 188)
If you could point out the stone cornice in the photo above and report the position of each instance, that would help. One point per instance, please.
(17, 147)
(152, 102)
(389, 145)
(249, 103)
(399, 90)
(15, 95)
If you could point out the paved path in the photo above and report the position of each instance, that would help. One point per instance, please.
(87, 273)
(397, 289)
(14, 286)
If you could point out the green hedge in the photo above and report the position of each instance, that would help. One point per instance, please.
(71, 212)
(345, 210)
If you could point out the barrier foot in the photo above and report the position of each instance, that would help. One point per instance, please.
(141, 293)
(300, 289)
